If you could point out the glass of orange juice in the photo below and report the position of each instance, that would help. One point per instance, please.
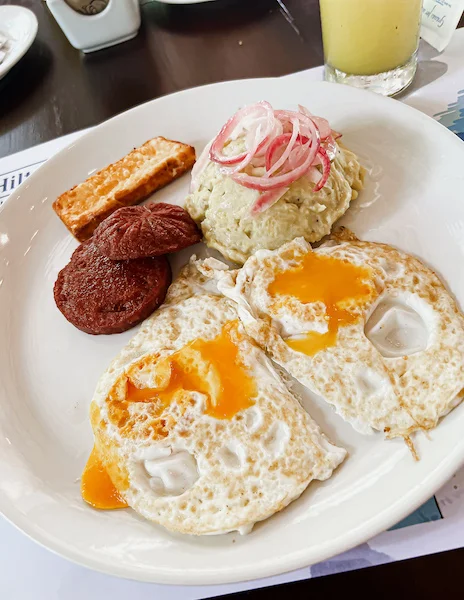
(371, 44)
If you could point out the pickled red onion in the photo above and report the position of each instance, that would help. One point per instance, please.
(291, 142)
(330, 146)
(275, 145)
(271, 183)
(199, 167)
(233, 127)
(322, 155)
(267, 199)
(285, 144)
(321, 123)
(313, 175)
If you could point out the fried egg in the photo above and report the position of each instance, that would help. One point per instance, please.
(194, 429)
(366, 327)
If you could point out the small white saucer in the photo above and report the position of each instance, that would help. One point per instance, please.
(20, 26)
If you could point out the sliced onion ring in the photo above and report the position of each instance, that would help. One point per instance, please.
(322, 124)
(330, 146)
(257, 110)
(282, 180)
(291, 142)
(283, 146)
(325, 162)
(199, 167)
(267, 199)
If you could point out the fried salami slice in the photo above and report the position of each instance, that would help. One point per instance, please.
(103, 296)
(150, 230)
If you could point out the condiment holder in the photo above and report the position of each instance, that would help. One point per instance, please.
(118, 22)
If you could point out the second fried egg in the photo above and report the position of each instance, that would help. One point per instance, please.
(370, 329)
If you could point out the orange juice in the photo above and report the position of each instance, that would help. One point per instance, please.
(366, 37)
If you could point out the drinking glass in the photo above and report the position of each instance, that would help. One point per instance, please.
(371, 44)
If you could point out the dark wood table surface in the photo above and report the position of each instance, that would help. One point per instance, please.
(56, 90)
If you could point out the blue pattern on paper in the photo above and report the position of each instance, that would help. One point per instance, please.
(453, 117)
(364, 556)
(427, 512)
(357, 558)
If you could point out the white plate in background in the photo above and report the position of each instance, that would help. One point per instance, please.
(48, 369)
(20, 26)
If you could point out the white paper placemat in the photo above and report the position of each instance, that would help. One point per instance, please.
(28, 571)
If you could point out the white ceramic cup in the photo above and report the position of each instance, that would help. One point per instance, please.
(118, 22)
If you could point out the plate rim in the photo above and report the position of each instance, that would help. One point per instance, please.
(271, 569)
(300, 558)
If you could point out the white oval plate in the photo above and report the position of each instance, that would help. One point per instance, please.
(48, 369)
(20, 26)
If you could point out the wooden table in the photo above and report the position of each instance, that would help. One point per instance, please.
(55, 90)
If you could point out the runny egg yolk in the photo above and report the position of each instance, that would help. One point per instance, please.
(213, 368)
(96, 486)
(338, 284)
